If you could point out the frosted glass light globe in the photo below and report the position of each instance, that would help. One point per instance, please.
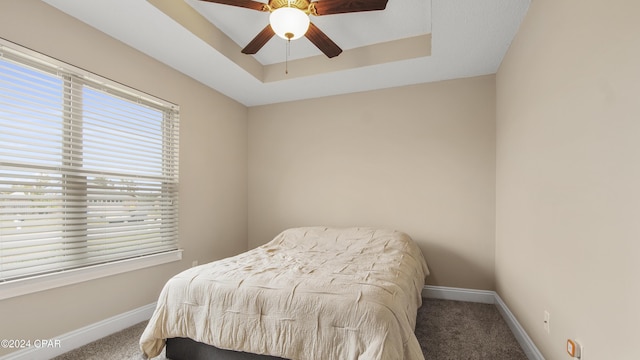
(289, 23)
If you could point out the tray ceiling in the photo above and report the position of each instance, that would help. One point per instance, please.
(410, 42)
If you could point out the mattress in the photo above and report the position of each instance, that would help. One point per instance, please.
(310, 293)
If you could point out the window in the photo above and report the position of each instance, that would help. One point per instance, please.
(88, 169)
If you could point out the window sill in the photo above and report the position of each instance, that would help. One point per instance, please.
(30, 285)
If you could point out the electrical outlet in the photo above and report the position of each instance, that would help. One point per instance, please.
(194, 263)
(547, 319)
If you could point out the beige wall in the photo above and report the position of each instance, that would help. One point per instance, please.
(417, 158)
(213, 172)
(568, 176)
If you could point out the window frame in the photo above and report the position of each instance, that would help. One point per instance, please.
(34, 283)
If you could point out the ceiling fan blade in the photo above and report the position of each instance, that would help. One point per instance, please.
(249, 4)
(322, 41)
(328, 7)
(258, 42)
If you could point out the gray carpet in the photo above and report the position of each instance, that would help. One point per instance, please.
(447, 330)
(454, 330)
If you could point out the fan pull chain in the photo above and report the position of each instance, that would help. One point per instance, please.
(286, 58)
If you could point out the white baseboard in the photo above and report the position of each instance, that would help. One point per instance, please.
(459, 294)
(487, 297)
(85, 335)
(524, 340)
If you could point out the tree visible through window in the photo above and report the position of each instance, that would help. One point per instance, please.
(88, 169)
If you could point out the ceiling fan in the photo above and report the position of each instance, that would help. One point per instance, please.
(289, 19)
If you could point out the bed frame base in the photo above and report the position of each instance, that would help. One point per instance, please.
(188, 349)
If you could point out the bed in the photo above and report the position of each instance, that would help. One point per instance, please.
(310, 293)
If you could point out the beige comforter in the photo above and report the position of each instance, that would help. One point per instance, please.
(310, 293)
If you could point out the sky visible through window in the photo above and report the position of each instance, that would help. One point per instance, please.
(111, 125)
(30, 99)
(112, 128)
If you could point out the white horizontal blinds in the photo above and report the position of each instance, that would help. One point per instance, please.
(88, 172)
(131, 177)
(31, 185)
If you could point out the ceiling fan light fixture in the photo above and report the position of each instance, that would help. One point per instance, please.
(289, 23)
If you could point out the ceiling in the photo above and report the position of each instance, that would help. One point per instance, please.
(410, 42)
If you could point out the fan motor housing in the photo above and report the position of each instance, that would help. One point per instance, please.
(299, 4)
